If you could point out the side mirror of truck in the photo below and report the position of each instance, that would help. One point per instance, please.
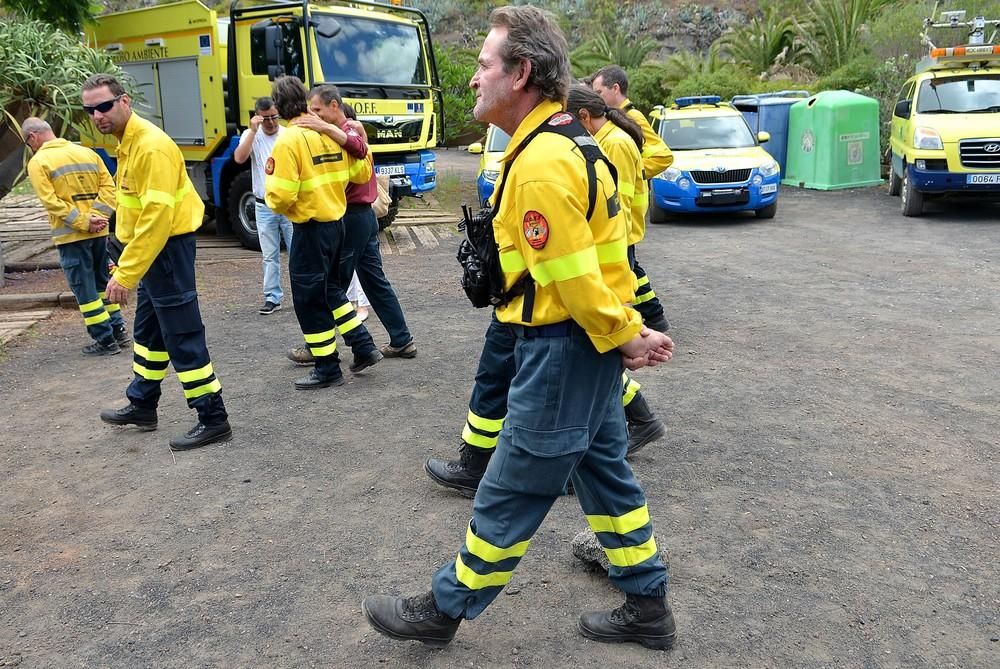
(903, 108)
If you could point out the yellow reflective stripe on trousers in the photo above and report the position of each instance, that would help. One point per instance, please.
(320, 351)
(350, 323)
(319, 337)
(630, 556)
(485, 424)
(566, 267)
(99, 318)
(90, 306)
(484, 550)
(112, 307)
(323, 179)
(474, 581)
(149, 374)
(194, 393)
(152, 356)
(196, 374)
(629, 522)
(476, 439)
(612, 252)
(630, 388)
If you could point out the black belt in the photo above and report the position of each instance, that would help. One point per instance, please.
(563, 329)
(359, 205)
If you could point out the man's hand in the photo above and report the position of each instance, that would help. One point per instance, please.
(310, 121)
(255, 122)
(97, 223)
(115, 292)
(647, 349)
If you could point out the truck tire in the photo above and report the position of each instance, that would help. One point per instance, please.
(240, 207)
(895, 183)
(912, 199)
(767, 212)
(390, 216)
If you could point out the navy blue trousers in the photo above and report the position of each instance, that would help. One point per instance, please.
(85, 264)
(646, 302)
(564, 419)
(169, 330)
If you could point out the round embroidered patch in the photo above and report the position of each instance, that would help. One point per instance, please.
(536, 229)
(561, 119)
(269, 166)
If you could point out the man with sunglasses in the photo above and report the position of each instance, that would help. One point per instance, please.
(79, 196)
(256, 143)
(158, 211)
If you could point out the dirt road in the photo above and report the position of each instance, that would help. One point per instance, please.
(827, 492)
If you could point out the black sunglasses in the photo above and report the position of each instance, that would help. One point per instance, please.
(103, 107)
(272, 117)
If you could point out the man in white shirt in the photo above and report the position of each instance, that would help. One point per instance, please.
(257, 142)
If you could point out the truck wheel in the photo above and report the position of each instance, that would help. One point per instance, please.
(767, 212)
(390, 216)
(656, 215)
(895, 183)
(912, 199)
(241, 209)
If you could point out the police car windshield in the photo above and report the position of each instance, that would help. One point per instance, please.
(498, 140)
(707, 132)
(959, 95)
(372, 51)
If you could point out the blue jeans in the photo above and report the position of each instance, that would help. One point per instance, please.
(85, 264)
(360, 254)
(271, 227)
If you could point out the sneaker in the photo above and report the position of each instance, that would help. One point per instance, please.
(121, 336)
(365, 361)
(269, 308)
(406, 351)
(301, 356)
(98, 348)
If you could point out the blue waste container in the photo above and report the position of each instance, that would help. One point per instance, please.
(769, 112)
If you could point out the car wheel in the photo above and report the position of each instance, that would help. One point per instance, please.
(241, 208)
(656, 215)
(895, 183)
(767, 212)
(912, 199)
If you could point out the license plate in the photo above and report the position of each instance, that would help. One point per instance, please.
(390, 170)
(983, 179)
(768, 188)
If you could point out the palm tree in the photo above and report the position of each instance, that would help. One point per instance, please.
(605, 50)
(759, 43)
(831, 34)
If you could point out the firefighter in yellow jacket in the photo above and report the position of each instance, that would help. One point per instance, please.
(611, 83)
(573, 330)
(306, 179)
(157, 214)
(79, 196)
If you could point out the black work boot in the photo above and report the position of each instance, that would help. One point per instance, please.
(645, 620)
(643, 427)
(463, 474)
(659, 323)
(410, 619)
(144, 419)
(121, 336)
(202, 435)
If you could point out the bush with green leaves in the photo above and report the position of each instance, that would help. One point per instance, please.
(456, 66)
(769, 36)
(727, 81)
(832, 33)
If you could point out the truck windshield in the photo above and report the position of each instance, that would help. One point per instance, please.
(959, 95)
(710, 132)
(372, 51)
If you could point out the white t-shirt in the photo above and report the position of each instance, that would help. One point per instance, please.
(263, 144)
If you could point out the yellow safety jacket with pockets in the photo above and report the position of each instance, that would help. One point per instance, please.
(624, 155)
(156, 199)
(541, 227)
(307, 175)
(656, 157)
(71, 181)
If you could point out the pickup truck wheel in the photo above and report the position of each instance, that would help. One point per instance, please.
(390, 216)
(241, 208)
(912, 199)
(895, 183)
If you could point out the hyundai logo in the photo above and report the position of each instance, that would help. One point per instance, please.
(992, 148)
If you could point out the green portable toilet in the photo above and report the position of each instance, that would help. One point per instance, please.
(833, 142)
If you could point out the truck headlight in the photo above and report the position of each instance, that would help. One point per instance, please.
(491, 175)
(670, 174)
(769, 169)
(430, 166)
(927, 138)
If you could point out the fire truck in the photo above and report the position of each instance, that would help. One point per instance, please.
(198, 75)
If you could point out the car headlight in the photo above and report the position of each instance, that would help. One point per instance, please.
(491, 175)
(927, 138)
(670, 174)
(769, 169)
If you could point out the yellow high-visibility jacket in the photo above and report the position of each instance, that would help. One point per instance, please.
(156, 199)
(71, 181)
(541, 227)
(624, 155)
(656, 157)
(307, 175)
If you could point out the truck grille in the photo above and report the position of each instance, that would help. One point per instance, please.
(713, 177)
(980, 153)
(387, 130)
